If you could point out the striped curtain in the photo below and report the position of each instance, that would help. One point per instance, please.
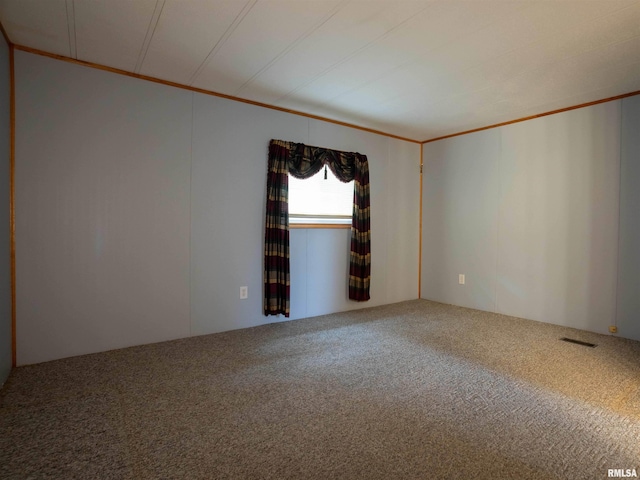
(303, 161)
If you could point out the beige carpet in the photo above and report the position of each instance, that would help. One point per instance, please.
(412, 390)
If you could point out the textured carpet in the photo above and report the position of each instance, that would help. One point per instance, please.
(412, 390)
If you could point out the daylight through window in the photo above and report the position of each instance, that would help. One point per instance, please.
(317, 200)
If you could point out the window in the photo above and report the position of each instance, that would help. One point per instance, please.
(303, 160)
(320, 202)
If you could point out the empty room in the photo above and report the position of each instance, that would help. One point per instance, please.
(314, 239)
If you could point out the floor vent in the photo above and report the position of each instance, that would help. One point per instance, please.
(579, 342)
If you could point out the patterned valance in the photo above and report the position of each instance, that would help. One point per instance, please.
(303, 161)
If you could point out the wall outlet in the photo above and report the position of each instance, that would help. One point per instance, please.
(461, 279)
(613, 329)
(244, 293)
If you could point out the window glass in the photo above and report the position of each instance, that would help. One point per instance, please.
(320, 198)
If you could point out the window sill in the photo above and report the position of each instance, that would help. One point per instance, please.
(320, 221)
(320, 225)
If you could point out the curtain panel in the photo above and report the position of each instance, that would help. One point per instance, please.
(304, 161)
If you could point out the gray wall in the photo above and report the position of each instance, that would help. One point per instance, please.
(628, 311)
(460, 219)
(529, 213)
(140, 213)
(5, 248)
(102, 210)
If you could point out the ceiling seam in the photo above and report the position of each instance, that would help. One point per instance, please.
(4, 34)
(454, 98)
(353, 54)
(71, 28)
(465, 70)
(151, 30)
(293, 45)
(225, 36)
(400, 67)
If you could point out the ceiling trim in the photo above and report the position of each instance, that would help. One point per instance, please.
(207, 92)
(531, 117)
(296, 112)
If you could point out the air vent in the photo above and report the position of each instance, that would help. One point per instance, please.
(579, 342)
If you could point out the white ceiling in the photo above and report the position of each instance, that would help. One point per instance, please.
(418, 69)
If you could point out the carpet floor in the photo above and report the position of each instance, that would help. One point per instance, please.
(412, 390)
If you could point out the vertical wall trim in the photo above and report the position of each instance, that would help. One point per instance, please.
(620, 147)
(420, 229)
(12, 214)
(190, 286)
(499, 219)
